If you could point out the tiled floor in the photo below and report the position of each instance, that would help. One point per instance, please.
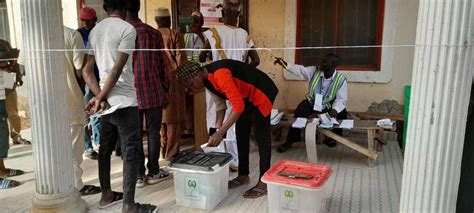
(353, 187)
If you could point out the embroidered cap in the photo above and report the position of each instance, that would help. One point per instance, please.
(188, 70)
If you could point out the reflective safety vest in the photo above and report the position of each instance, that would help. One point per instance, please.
(315, 87)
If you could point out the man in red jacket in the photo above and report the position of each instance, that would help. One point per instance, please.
(251, 93)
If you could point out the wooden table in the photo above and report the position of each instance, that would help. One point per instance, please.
(374, 134)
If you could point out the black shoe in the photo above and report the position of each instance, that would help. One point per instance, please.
(283, 148)
(330, 143)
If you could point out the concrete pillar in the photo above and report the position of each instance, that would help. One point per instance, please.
(442, 75)
(52, 149)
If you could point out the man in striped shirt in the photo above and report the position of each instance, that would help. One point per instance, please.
(151, 85)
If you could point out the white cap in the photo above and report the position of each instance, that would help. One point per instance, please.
(162, 12)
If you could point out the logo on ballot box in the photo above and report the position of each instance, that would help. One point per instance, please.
(192, 188)
(288, 199)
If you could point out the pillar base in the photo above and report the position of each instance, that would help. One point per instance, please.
(57, 203)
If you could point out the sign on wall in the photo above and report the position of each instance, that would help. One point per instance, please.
(212, 15)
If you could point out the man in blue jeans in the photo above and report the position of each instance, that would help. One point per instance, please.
(111, 43)
(88, 18)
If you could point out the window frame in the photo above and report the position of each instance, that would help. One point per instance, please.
(379, 34)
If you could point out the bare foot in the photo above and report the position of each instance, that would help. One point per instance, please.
(106, 198)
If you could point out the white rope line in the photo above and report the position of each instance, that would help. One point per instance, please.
(269, 49)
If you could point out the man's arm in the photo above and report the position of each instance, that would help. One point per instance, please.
(221, 107)
(224, 80)
(252, 53)
(78, 57)
(88, 74)
(113, 76)
(162, 64)
(341, 99)
(298, 70)
(255, 59)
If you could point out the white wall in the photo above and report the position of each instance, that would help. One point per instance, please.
(396, 66)
(70, 19)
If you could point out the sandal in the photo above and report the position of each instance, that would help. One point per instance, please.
(258, 193)
(146, 208)
(90, 190)
(22, 141)
(8, 183)
(14, 172)
(118, 198)
(91, 155)
(235, 183)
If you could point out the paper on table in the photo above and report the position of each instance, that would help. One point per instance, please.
(347, 124)
(316, 121)
(326, 125)
(110, 110)
(385, 122)
(334, 121)
(207, 149)
(300, 123)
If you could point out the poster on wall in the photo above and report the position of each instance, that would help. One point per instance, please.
(212, 15)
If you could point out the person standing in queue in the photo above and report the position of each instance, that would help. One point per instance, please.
(251, 93)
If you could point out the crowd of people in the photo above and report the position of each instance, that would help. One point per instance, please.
(148, 87)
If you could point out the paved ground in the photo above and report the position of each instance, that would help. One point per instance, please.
(353, 187)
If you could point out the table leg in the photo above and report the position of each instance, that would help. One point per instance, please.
(310, 140)
(346, 142)
(371, 145)
(381, 140)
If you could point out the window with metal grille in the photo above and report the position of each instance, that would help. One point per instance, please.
(341, 23)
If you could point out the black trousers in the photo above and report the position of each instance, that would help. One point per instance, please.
(252, 116)
(304, 110)
(153, 125)
(466, 185)
(123, 123)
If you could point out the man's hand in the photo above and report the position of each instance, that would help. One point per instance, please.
(19, 81)
(333, 113)
(281, 62)
(95, 105)
(215, 139)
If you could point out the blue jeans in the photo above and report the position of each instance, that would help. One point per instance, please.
(94, 139)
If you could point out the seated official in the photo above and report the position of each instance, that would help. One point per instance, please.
(251, 93)
(327, 94)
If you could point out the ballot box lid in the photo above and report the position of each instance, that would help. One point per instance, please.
(299, 174)
(200, 161)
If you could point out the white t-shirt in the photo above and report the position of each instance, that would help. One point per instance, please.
(231, 38)
(74, 60)
(110, 36)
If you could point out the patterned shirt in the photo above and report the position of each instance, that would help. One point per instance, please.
(149, 67)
